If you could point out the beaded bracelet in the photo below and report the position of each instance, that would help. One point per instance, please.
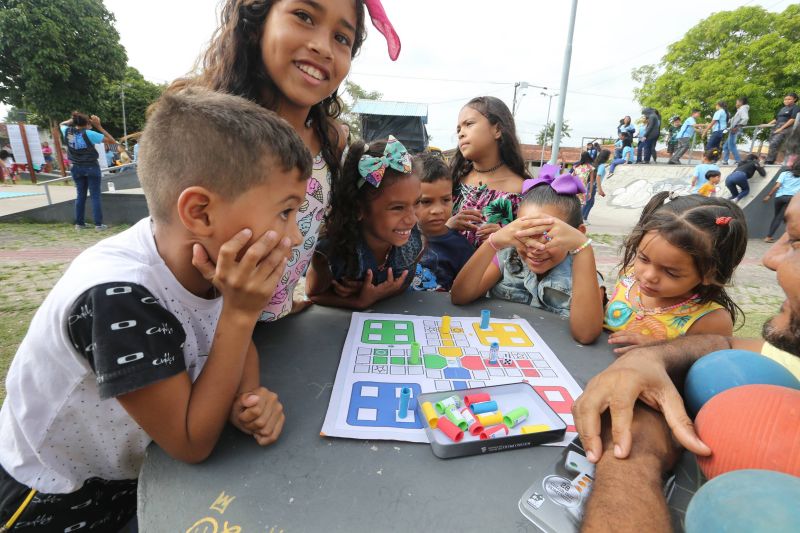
(581, 247)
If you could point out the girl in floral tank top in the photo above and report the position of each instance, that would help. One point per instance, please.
(488, 169)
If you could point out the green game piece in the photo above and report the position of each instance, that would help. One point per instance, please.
(379, 360)
(515, 416)
(398, 360)
(380, 351)
(434, 361)
(415, 350)
(456, 418)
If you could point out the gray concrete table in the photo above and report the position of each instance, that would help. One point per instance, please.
(305, 482)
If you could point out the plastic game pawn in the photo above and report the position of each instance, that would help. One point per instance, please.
(493, 349)
(415, 351)
(485, 317)
(430, 414)
(405, 394)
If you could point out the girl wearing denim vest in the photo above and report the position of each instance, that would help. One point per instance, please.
(371, 241)
(543, 259)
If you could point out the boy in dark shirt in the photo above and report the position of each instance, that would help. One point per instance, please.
(782, 124)
(446, 251)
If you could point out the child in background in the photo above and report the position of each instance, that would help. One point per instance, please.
(626, 156)
(710, 187)
(371, 244)
(678, 259)
(595, 183)
(583, 169)
(542, 259)
(641, 129)
(446, 250)
(47, 152)
(7, 167)
(291, 57)
(785, 188)
(709, 163)
(488, 169)
(672, 134)
(148, 335)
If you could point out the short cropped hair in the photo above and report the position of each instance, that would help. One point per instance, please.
(431, 168)
(198, 137)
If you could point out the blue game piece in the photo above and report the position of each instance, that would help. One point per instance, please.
(405, 394)
(725, 369)
(493, 349)
(484, 407)
(485, 316)
(756, 501)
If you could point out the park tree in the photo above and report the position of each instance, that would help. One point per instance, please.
(138, 93)
(353, 92)
(746, 52)
(57, 56)
(548, 132)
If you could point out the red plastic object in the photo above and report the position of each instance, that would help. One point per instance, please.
(491, 432)
(451, 430)
(476, 429)
(476, 398)
(751, 427)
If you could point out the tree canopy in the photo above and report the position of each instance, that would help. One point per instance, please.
(57, 56)
(746, 52)
(139, 94)
(352, 92)
(548, 132)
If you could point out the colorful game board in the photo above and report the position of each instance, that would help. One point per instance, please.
(377, 363)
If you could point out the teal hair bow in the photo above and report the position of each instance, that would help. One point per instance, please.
(394, 156)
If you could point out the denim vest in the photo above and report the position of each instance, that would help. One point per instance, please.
(552, 292)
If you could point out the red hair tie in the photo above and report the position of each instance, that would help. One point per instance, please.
(723, 221)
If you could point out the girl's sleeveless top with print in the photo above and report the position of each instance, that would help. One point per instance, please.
(621, 315)
(498, 207)
(309, 220)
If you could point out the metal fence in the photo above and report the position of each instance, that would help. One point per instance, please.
(106, 176)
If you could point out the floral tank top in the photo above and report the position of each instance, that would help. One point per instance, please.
(498, 207)
(309, 220)
(621, 314)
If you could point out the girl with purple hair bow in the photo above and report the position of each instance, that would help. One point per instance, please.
(543, 259)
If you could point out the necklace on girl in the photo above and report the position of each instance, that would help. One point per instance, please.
(643, 311)
(479, 171)
(385, 263)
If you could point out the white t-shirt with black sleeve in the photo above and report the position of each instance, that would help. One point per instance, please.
(117, 321)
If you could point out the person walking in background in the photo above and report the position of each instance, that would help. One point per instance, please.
(684, 137)
(651, 134)
(739, 120)
(718, 125)
(672, 134)
(85, 166)
(785, 188)
(737, 181)
(782, 124)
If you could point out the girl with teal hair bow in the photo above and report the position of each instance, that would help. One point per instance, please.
(370, 245)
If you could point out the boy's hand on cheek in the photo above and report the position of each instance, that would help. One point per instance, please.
(372, 293)
(246, 283)
(259, 413)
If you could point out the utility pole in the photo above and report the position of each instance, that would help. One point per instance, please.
(562, 96)
(124, 122)
(547, 124)
(518, 85)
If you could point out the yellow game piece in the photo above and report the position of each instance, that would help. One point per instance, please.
(430, 414)
(538, 428)
(490, 419)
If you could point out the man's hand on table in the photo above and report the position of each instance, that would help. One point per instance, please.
(638, 375)
(260, 414)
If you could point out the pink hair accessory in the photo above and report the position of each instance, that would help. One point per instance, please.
(723, 221)
(382, 24)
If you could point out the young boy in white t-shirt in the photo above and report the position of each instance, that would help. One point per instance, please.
(147, 336)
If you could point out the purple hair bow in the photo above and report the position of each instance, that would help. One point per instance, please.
(382, 24)
(563, 184)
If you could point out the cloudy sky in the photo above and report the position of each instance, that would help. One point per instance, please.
(454, 50)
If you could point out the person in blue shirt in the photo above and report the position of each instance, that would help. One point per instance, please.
(785, 188)
(718, 126)
(709, 163)
(446, 250)
(84, 165)
(684, 137)
(642, 139)
(625, 156)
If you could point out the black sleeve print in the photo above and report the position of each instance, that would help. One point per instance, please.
(128, 338)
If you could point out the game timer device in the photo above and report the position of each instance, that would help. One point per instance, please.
(485, 420)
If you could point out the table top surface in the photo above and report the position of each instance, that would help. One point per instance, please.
(310, 483)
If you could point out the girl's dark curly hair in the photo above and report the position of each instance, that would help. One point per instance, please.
(544, 195)
(690, 224)
(498, 114)
(232, 63)
(343, 226)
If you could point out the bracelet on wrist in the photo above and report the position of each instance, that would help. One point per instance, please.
(491, 243)
(581, 247)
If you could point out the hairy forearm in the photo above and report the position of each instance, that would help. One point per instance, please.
(679, 354)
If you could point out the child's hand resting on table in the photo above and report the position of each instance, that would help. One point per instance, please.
(630, 338)
(369, 293)
(260, 414)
